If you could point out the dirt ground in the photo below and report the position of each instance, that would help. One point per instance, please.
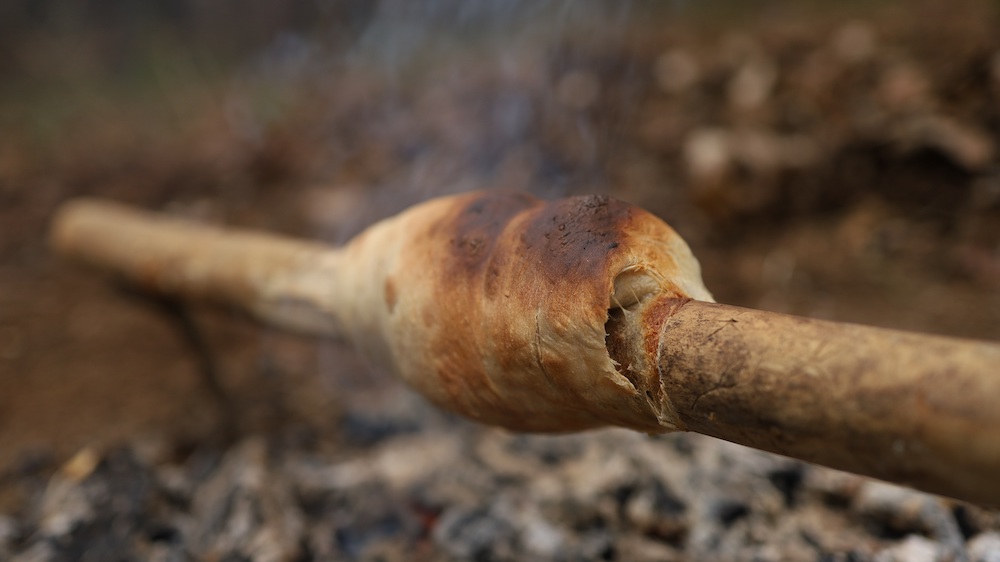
(833, 162)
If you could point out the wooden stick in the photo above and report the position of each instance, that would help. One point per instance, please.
(283, 281)
(578, 313)
(908, 408)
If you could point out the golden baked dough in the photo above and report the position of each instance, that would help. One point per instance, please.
(495, 305)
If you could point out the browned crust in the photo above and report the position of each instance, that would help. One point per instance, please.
(496, 306)
(512, 293)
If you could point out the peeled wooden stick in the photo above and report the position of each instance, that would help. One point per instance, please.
(580, 313)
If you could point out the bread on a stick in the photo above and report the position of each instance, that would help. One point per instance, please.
(496, 305)
(579, 313)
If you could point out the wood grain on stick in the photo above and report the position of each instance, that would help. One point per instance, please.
(908, 408)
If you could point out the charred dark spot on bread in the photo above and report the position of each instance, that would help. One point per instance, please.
(567, 239)
(575, 237)
(478, 224)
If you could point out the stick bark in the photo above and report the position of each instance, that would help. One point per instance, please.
(908, 408)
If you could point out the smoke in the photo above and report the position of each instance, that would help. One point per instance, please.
(426, 98)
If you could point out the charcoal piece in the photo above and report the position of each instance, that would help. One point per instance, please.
(729, 512)
(657, 512)
(788, 480)
(475, 534)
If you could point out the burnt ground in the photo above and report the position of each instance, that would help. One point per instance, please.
(839, 163)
